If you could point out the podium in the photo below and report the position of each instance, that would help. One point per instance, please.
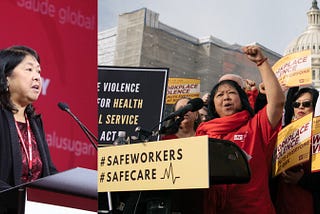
(76, 188)
(228, 163)
(222, 161)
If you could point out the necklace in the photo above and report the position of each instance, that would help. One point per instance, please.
(29, 151)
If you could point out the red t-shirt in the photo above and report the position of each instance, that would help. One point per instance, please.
(255, 138)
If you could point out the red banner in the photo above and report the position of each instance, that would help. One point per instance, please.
(64, 33)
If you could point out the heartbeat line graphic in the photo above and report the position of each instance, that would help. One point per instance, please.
(168, 172)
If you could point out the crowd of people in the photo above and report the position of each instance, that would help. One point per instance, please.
(251, 116)
(236, 110)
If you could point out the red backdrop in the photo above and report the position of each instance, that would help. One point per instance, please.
(65, 35)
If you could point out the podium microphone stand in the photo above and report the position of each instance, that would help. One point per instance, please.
(93, 140)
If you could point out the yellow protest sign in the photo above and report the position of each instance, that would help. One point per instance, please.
(182, 87)
(315, 146)
(293, 145)
(169, 164)
(294, 69)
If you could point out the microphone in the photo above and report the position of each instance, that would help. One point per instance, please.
(171, 128)
(143, 131)
(89, 134)
(64, 106)
(144, 134)
(193, 105)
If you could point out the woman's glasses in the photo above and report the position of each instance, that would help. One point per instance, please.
(305, 104)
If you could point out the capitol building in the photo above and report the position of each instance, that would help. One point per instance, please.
(310, 40)
(140, 39)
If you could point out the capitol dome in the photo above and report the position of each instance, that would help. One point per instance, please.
(310, 40)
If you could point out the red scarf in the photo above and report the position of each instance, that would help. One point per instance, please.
(220, 127)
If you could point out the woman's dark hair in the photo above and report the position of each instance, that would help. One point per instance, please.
(260, 103)
(9, 59)
(172, 125)
(242, 94)
(292, 95)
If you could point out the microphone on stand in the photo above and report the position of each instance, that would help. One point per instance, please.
(171, 128)
(144, 134)
(91, 137)
(193, 105)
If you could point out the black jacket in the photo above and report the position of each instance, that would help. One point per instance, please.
(10, 153)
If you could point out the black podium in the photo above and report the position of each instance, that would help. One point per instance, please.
(228, 163)
(76, 184)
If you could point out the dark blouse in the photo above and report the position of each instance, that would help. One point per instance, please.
(36, 170)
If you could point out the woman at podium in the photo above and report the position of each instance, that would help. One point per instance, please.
(233, 119)
(24, 153)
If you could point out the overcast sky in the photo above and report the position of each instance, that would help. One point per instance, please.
(272, 23)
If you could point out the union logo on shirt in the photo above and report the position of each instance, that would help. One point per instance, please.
(240, 137)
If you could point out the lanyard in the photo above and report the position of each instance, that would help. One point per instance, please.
(29, 155)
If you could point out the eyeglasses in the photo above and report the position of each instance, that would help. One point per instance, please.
(305, 104)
